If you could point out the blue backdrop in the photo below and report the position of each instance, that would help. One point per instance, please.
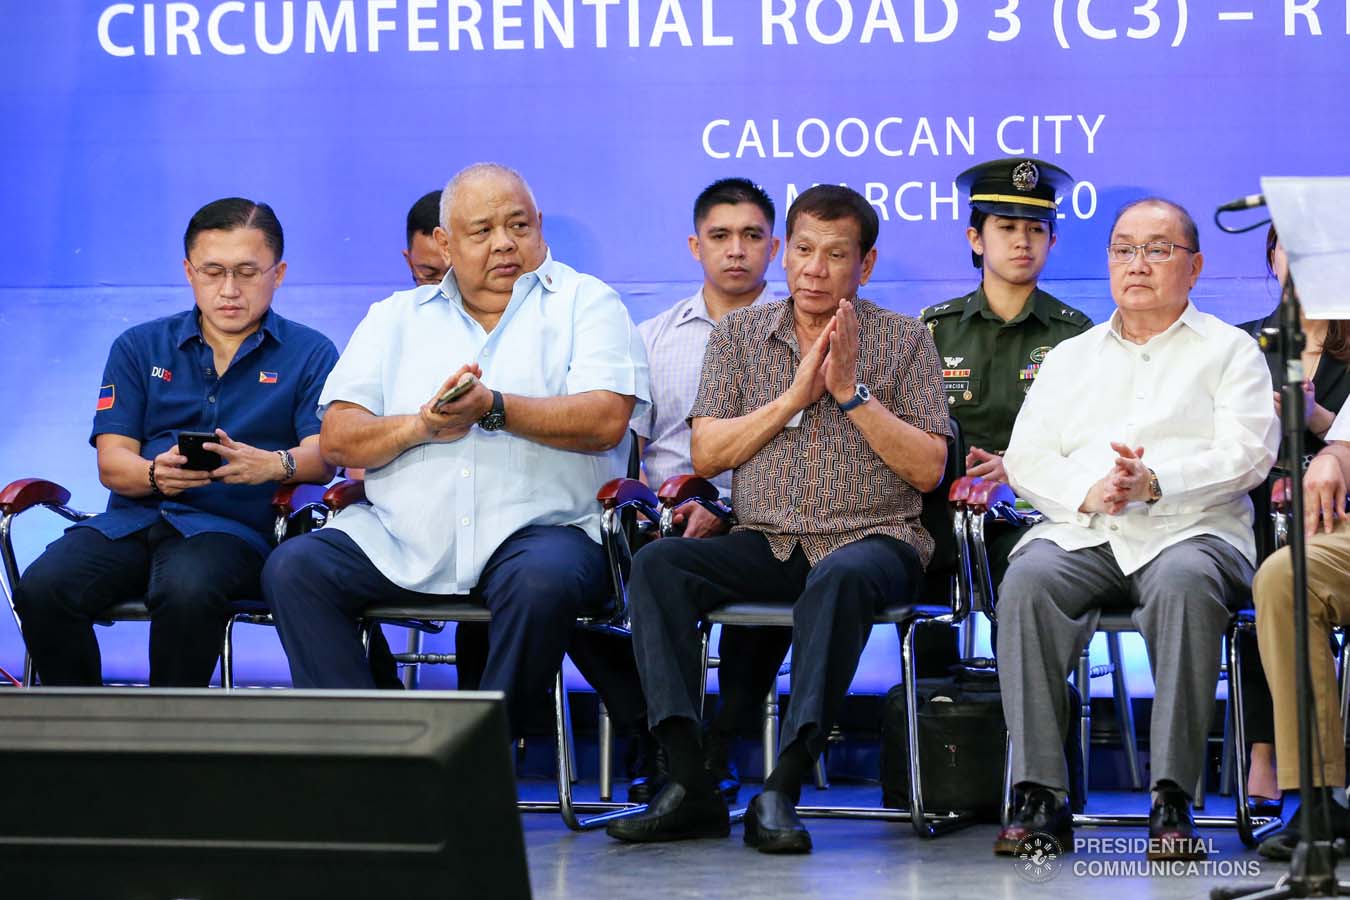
(121, 119)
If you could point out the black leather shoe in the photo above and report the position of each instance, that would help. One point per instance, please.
(1042, 812)
(717, 756)
(773, 826)
(1171, 828)
(675, 814)
(1279, 846)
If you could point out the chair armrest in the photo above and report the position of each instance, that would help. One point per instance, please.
(679, 489)
(988, 494)
(959, 493)
(619, 491)
(980, 494)
(292, 497)
(344, 494)
(1279, 495)
(20, 495)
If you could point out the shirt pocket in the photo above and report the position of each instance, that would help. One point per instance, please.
(962, 387)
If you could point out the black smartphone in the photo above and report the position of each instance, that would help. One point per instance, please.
(198, 459)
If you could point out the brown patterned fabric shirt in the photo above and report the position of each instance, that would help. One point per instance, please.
(820, 484)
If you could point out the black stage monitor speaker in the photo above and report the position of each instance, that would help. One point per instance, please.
(245, 795)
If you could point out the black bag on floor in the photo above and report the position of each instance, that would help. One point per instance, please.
(962, 741)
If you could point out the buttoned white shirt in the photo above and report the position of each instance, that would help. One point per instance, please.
(1196, 398)
(675, 341)
(438, 511)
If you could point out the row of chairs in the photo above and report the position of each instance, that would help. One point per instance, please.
(957, 588)
(301, 508)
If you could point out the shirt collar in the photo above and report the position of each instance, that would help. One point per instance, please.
(696, 307)
(1190, 318)
(189, 326)
(547, 275)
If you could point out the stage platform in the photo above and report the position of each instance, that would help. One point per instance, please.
(859, 860)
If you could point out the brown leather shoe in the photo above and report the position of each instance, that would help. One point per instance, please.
(1041, 813)
(1171, 828)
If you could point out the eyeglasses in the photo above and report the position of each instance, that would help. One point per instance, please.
(244, 273)
(1154, 251)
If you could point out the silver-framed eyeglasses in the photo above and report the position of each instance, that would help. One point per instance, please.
(1154, 251)
(244, 273)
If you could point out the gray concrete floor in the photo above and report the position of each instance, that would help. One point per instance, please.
(860, 859)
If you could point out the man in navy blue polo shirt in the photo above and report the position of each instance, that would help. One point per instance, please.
(189, 541)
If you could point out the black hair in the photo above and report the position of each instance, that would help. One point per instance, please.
(424, 216)
(1188, 226)
(732, 191)
(977, 219)
(233, 213)
(831, 202)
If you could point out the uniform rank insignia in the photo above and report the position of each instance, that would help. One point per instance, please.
(107, 396)
(267, 378)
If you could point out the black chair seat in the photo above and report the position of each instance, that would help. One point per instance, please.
(136, 610)
(431, 611)
(780, 614)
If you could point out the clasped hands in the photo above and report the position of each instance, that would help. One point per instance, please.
(1127, 481)
(832, 362)
(445, 422)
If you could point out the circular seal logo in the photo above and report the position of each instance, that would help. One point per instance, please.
(1038, 355)
(1039, 858)
(1026, 176)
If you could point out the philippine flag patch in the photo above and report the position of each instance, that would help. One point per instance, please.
(267, 378)
(107, 395)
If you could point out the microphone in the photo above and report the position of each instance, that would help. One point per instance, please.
(1251, 201)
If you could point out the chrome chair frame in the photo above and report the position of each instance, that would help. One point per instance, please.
(984, 501)
(618, 497)
(289, 503)
(907, 617)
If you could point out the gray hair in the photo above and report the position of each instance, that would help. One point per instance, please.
(477, 170)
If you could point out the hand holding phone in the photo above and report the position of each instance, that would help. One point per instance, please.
(461, 387)
(198, 459)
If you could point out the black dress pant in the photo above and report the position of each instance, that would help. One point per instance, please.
(188, 584)
(676, 580)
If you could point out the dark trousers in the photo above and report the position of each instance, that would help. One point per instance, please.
(676, 580)
(748, 662)
(188, 584)
(535, 584)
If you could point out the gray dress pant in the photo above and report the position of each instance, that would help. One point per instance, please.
(1048, 607)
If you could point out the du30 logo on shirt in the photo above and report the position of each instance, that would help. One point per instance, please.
(267, 378)
(161, 373)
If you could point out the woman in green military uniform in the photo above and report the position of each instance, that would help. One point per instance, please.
(992, 341)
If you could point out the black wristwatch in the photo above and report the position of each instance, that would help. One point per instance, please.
(495, 418)
(860, 396)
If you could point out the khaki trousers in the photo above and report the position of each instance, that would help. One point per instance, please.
(1328, 606)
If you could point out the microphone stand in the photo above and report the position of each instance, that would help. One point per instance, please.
(1312, 872)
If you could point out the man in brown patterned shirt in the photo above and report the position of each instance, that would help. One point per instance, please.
(829, 411)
